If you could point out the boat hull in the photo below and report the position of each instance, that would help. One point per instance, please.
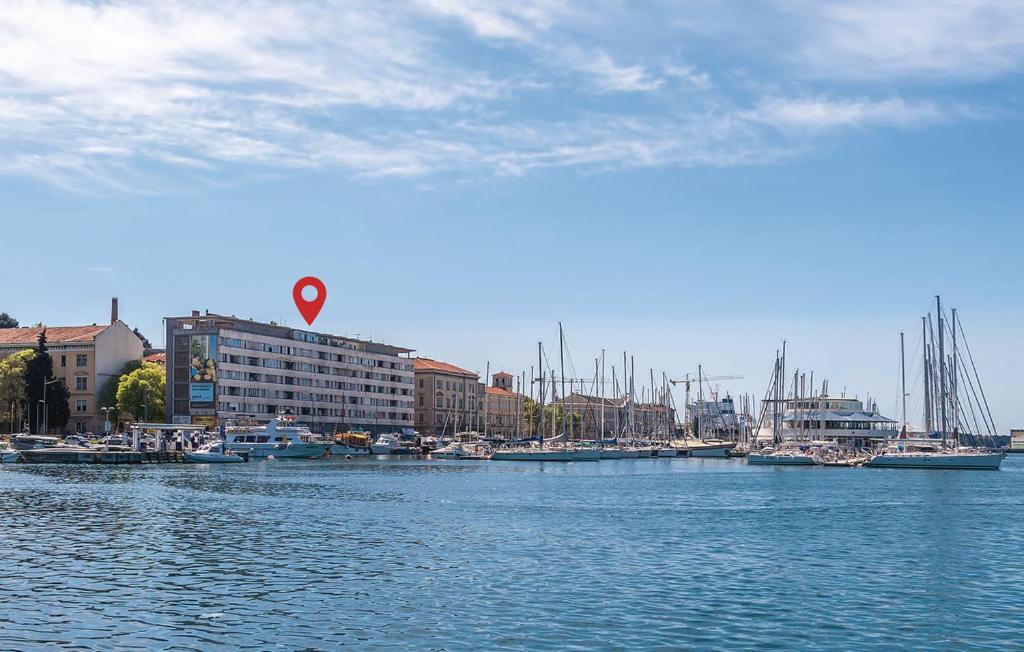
(711, 451)
(294, 450)
(758, 459)
(630, 453)
(213, 458)
(611, 454)
(981, 462)
(666, 452)
(534, 456)
(342, 449)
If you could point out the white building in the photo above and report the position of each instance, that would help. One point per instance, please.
(223, 369)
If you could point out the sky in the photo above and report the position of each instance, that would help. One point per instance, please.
(689, 182)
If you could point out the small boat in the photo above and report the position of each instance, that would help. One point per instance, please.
(786, 457)
(393, 443)
(461, 451)
(351, 443)
(8, 455)
(215, 453)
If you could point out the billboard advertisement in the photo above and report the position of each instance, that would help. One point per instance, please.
(202, 369)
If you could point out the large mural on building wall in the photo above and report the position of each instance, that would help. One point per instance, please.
(202, 368)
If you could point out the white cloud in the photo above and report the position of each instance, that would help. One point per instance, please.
(972, 39)
(123, 96)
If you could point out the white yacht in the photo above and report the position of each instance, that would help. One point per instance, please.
(462, 451)
(394, 443)
(279, 438)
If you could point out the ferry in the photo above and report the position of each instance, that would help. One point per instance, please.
(279, 438)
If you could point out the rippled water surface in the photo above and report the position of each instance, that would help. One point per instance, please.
(708, 554)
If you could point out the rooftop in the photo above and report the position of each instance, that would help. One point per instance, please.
(501, 391)
(29, 335)
(158, 358)
(428, 365)
(273, 328)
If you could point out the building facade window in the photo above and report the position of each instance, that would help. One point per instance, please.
(81, 360)
(81, 383)
(63, 360)
(80, 405)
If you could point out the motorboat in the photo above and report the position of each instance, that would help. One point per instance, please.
(215, 453)
(8, 455)
(394, 443)
(462, 451)
(280, 438)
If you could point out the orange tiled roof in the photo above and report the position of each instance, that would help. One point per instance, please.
(158, 358)
(54, 334)
(501, 391)
(503, 374)
(426, 364)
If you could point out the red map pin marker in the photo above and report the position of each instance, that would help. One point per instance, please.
(309, 309)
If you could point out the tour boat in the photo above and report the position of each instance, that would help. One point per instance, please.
(279, 439)
(215, 453)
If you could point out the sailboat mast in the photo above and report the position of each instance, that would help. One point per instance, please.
(955, 402)
(601, 390)
(903, 382)
(927, 384)
(540, 368)
(561, 371)
(700, 401)
(942, 371)
(487, 379)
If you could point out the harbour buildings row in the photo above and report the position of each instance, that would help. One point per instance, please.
(221, 368)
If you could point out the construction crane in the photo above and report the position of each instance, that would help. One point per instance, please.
(687, 379)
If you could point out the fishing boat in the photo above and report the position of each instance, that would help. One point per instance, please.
(280, 438)
(215, 453)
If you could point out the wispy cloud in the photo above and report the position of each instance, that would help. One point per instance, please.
(118, 96)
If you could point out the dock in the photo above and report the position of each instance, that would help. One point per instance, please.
(89, 456)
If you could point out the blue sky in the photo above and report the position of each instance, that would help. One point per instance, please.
(693, 183)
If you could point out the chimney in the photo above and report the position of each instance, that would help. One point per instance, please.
(113, 310)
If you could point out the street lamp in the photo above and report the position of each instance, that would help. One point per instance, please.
(106, 419)
(46, 419)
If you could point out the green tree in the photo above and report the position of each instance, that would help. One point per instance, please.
(145, 342)
(141, 393)
(38, 373)
(552, 414)
(6, 321)
(12, 388)
(107, 396)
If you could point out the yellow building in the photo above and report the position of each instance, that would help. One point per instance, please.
(85, 357)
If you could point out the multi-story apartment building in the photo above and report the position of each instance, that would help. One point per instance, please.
(223, 369)
(449, 399)
(85, 357)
